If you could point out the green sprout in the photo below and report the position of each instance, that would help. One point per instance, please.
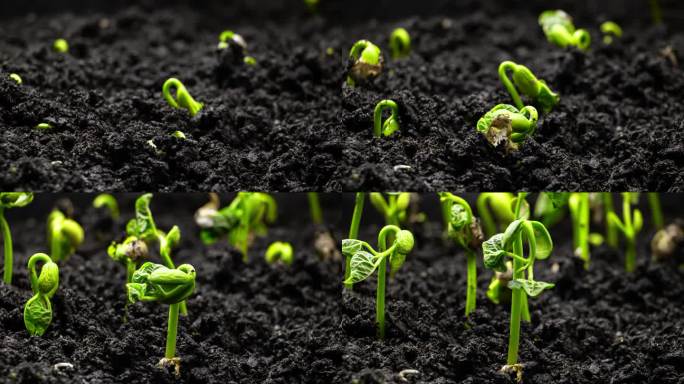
(129, 253)
(496, 211)
(105, 200)
(400, 43)
(393, 208)
(10, 200)
(172, 286)
(580, 213)
(44, 126)
(354, 233)
(16, 78)
(611, 230)
(630, 225)
(179, 135)
(505, 124)
(365, 262)
(38, 310)
(465, 230)
(64, 235)
(529, 85)
(366, 62)
(610, 30)
(656, 210)
(560, 30)
(509, 244)
(246, 216)
(390, 125)
(315, 208)
(230, 39)
(184, 100)
(279, 252)
(60, 46)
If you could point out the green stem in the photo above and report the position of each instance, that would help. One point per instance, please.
(518, 250)
(581, 228)
(611, 231)
(354, 231)
(485, 216)
(516, 307)
(380, 299)
(7, 237)
(471, 292)
(172, 331)
(630, 254)
(656, 210)
(130, 270)
(506, 65)
(315, 206)
(446, 213)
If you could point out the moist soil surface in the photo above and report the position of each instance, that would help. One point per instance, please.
(257, 323)
(290, 122)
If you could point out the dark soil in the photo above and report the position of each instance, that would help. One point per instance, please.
(261, 324)
(290, 124)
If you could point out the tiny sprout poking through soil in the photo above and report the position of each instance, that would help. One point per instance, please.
(183, 98)
(105, 200)
(10, 200)
(279, 252)
(179, 135)
(528, 84)
(630, 225)
(509, 244)
(38, 310)
(365, 260)
(393, 208)
(131, 252)
(231, 40)
(465, 230)
(16, 78)
(610, 30)
(505, 124)
(64, 235)
(60, 46)
(390, 125)
(560, 30)
(154, 282)
(44, 126)
(366, 62)
(400, 43)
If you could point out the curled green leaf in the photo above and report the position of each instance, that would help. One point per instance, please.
(506, 125)
(493, 251)
(155, 282)
(279, 251)
(15, 199)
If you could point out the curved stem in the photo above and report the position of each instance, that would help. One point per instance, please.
(7, 238)
(377, 115)
(172, 331)
(315, 207)
(471, 292)
(382, 277)
(33, 275)
(354, 231)
(506, 65)
(656, 210)
(166, 91)
(611, 231)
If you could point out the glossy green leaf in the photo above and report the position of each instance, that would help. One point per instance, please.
(37, 315)
(15, 199)
(531, 287)
(351, 246)
(361, 266)
(143, 225)
(459, 217)
(543, 240)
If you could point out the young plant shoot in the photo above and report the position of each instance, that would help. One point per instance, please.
(391, 124)
(630, 225)
(608, 207)
(509, 244)
(366, 62)
(155, 282)
(354, 233)
(560, 30)
(64, 235)
(44, 126)
(183, 98)
(279, 252)
(365, 260)
(611, 31)
(38, 310)
(505, 124)
(17, 79)
(247, 216)
(10, 200)
(315, 208)
(400, 43)
(394, 208)
(496, 211)
(129, 253)
(60, 46)
(656, 210)
(465, 230)
(524, 80)
(105, 200)
(237, 44)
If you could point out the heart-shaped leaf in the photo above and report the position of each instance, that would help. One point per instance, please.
(362, 265)
(531, 287)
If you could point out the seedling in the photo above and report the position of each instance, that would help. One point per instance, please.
(630, 225)
(393, 208)
(279, 252)
(129, 253)
(16, 78)
(179, 135)
(367, 62)
(105, 200)
(38, 310)
(509, 244)
(10, 200)
(611, 230)
(315, 208)
(507, 125)
(246, 216)
(656, 210)
(60, 46)
(44, 126)
(610, 30)
(230, 39)
(154, 282)
(560, 30)
(400, 43)
(465, 230)
(183, 98)
(365, 260)
(64, 235)
(529, 85)
(496, 211)
(391, 124)
(354, 233)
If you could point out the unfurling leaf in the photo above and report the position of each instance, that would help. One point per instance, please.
(493, 251)
(459, 217)
(543, 240)
(37, 315)
(15, 199)
(531, 287)
(362, 265)
(351, 246)
(143, 225)
(404, 241)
